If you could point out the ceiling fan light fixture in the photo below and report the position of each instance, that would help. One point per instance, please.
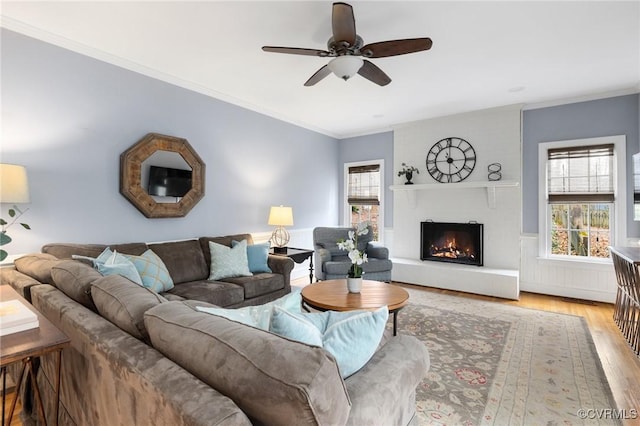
(345, 66)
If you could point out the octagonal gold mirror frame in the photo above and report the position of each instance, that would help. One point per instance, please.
(131, 173)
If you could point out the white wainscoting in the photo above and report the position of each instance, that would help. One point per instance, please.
(580, 280)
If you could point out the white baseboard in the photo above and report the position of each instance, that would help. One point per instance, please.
(574, 293)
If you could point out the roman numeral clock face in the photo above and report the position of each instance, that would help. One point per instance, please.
(451, 160)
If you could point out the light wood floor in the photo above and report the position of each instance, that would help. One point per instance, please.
(620, 364)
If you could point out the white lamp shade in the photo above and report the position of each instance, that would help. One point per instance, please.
(345, 66)
(281, 216)
(14, 186)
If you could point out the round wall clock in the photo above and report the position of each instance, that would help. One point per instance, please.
(451, 160)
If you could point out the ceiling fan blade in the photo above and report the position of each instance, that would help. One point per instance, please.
(396, 47)
(373, 73)
(343, 23)
(296, 51)
(319, 75)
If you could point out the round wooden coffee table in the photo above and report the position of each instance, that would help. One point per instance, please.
(332, 295)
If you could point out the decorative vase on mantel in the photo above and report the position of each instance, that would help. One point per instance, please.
(408, 176)
(354, 285)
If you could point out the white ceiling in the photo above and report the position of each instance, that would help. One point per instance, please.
(484, 54)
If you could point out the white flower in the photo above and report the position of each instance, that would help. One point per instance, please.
(350, 245)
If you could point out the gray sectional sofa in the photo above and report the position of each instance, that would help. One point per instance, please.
(138, 357)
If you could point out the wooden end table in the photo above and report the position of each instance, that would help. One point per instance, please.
(298, 255)
(332, 295)
(25, 346)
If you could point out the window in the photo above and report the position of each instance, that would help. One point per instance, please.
(580, 203)
(363, 194)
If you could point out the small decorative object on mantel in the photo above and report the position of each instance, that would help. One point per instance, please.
(451, 160)
(495, 171)
(408, 171)
(354, 278)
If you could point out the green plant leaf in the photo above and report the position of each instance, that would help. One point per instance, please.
(12, 212)
(3, 255)
(3, 222)
(4, 238)
(25, 226)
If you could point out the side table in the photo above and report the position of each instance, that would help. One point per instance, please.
(298, 255)
(25, 347)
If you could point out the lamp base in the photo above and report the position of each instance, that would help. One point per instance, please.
(280, 250)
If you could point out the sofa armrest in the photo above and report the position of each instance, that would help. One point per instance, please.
(20, 282)
(281, 265)
(377, 251)
(383, 391)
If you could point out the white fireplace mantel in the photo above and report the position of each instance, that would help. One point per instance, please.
(489, 186)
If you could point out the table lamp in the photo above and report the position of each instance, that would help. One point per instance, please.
(280, 216)
(14, 188)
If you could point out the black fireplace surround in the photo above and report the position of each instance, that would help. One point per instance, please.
(451, 242)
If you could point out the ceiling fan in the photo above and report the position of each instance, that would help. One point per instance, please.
(347, 48)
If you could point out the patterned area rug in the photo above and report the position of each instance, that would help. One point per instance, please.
(502, 365)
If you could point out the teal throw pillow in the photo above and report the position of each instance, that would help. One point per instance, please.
(113, 263)
(153, 271)
(351, 337)
(227, 262)
(257, 257)
(258, 316)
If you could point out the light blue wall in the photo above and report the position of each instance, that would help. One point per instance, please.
(371, 147)
(67, 118)
(605, 117)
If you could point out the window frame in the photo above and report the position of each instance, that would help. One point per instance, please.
(618, 221)
(346, 211)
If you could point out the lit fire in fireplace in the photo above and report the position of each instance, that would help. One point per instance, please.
(451, 250)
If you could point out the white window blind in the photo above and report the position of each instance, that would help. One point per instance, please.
(364, 185)
(581, 174)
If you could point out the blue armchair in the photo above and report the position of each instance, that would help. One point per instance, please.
(332, 263)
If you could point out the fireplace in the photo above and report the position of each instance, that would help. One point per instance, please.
(451, 242)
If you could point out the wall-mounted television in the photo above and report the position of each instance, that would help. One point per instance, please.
(166, 182)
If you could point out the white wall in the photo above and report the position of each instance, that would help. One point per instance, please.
(495, 136)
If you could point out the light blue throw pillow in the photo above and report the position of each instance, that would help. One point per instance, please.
(113, 263)
(229, 262)
(258, 316)
(351, 337)
(153, 271)
(257, 256)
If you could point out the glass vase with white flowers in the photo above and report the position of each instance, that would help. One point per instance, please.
(351, 246)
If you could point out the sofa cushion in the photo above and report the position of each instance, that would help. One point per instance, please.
(37, 265)
(152, 270)
(215, 292)
(258, 285)
(272, 379)
(228, 261)
(184, 260)
(257, 256)
(74, 279)
(351, 337)
(124, 303)
(225, 241)
(66, 250)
